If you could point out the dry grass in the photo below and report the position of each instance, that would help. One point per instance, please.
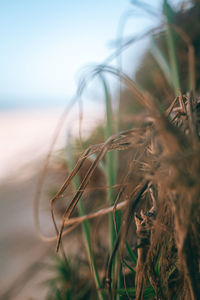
(158, 189)
(165, 174)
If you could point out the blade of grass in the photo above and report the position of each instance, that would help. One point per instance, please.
(171, 43)
(148, 293)
(161, 61)
(85, 226)
(110, 172)
(191, 58)
(120, 36)
(111, 175)
(157, 266)
(129, 267)
(131, 254)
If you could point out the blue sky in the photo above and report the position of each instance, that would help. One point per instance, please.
(45, 42)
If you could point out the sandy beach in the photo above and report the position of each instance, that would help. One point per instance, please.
(26, 135)
(25, 139)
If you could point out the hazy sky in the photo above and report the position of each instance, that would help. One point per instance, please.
(45, 42)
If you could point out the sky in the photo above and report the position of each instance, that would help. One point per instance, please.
(44, 44)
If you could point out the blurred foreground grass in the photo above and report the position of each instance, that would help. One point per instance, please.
(150, 169)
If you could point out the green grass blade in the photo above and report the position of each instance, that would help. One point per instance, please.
(171, 43)
(111, 175)
(161, 61)
(148, 293)
(131, 253)
(110, 170)
(129, 267)
(157, 266)
(85, 226)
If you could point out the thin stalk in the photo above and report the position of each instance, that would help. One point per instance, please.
(171, 43)
(191, 58)
(131, 253)
(120, 35)
(85, 229)
(161, 61)
(110, 170)
(192, 77)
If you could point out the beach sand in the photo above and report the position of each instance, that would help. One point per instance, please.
(26, 135)
(25, 139)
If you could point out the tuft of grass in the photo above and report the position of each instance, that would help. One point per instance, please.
(161, 189)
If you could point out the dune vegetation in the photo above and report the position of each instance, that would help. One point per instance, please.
(133, 185)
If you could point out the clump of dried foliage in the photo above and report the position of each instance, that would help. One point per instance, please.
(164, 176)
(156, 245)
